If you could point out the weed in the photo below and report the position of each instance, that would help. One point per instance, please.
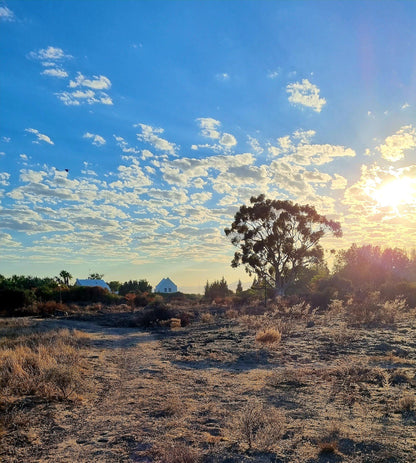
(258, 426)
(207, 318)
(176, 452)
(269, 336)
(406, 403)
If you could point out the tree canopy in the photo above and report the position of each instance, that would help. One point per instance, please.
(277, 239)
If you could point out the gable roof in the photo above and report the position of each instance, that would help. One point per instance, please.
(166, 283)
(92, 283)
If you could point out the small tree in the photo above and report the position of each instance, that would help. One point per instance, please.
(134, 286)
(95, 276)
(65, 277)
(239, 288)
(277, 239)
(218, 288)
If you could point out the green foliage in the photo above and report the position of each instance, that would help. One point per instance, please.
(13, 300)
(277, 239)
(368, 266)
(64, 277)
(239, 288)
(95, 276)
(135, 286)
(114, 286)
(217, 289)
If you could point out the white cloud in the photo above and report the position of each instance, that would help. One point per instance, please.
(97, 140)
(255, 145)
(339, 182)
(304, 153)
(306, 94)
(49, 53)
(273, 74)
(395, 145)
(97, 83)
(222, 76)
(79, 97)
(40, 136)
(6, 14)
(304, 136)
(6, 139)
(228, 140)
(149, 135)
(405, 106)
(4, 178)
(55, 72)
(209, 127)
(31, 176)
(125, 146)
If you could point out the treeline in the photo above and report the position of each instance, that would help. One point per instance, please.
(357, 271)
(21, 295)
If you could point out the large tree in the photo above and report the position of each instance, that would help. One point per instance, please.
(278, 239)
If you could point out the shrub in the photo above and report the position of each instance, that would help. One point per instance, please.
(50, 308)
(406, 403)
(176, 452)
(13, 300)
(36, 366)
(207, 317)
(153, 314)
(370, 310)
(269, 336)
(258, 426)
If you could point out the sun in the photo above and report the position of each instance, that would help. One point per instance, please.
(395, 193)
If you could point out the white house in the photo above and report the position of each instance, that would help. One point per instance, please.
(166, 286)
(100, 283)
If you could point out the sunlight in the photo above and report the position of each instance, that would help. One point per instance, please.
(395, 193)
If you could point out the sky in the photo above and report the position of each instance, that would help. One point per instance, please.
(132, 131)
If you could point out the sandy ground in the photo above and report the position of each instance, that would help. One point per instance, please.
(150, 390)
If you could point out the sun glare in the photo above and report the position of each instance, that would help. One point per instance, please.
(395, 193)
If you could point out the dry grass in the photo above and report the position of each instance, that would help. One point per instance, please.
(269, 336)
(332, 391)
(45, 366)
(257, 426)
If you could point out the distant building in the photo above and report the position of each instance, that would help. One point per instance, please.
(92, 283)
(166, 286)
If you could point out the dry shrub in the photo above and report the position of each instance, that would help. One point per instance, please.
(258, 426)
(231, 314)
(269, 336)
(176, 452)
(370, 310)
(290, 377)
(175, 322)
(406, 403)
(207, 318)
(329, 440)
(40, 367)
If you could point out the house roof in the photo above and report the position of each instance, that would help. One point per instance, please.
(100, 283)
(166, 281)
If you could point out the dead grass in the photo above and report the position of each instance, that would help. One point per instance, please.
(269, 336)
(207, 393)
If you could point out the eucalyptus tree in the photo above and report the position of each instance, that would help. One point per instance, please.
(277, 239)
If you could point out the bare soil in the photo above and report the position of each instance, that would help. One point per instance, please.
(341, 392)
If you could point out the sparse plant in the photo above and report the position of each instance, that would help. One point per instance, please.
(207, 317)
(406, 403)
(176, 452)
(269, 336)
(258, 426)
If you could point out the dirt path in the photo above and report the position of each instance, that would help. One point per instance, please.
(108, 425)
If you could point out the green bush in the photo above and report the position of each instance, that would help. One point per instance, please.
(12, 301)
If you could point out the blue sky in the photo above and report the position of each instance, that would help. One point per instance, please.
(131, 131)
